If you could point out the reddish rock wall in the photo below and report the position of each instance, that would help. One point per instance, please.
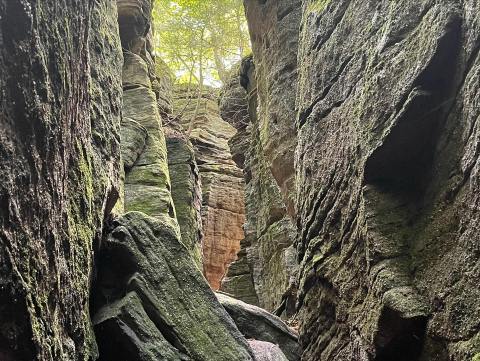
(223, 206)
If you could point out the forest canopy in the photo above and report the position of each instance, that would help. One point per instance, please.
(201, 39)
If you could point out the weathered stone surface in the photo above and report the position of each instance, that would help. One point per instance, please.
(60, 103)
(147, 180)
(265, 351)
(126, 332)
(256, 323)
(135, 71)
(152, 296)
(223, 207)
(239, 280)
(273, 27)
(269, 232)
(232, 100)
(387, 180)
(134, 18)
(274, 266)
(133, 140)
(186, 192)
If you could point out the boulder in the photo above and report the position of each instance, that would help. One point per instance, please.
(266, 351)
(153, 302)
(256, 323)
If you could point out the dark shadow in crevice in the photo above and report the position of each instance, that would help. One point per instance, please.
(402, 164)
(399, 173)
(115, 266)
(113, 341)
(399, 339)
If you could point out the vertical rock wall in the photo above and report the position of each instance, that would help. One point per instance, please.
(147, 181)
(268, 145)
(386, 181)
(150, 300)
(386, 177)
(186, 191)
(223, 207)
(60, 103)
(238, 107)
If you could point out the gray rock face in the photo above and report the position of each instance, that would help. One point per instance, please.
(273, 27)
(235, 109)
(256, 323)
(186, 192)
(238, 281)
(386, 173)
(134, 137)
(387, 180)
(265, 150)
(144, 151)
(153, 302)
(60, 103)
(269, 234)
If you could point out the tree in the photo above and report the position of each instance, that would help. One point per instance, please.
(201, 39)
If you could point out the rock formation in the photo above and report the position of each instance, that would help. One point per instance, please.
(238, 105)
(223, 207)
(266, 351)
(60, 106)
(156, 305)
(268, 257)
(147, 180)
(385, 172)
(186, 191)
(344, 173)
(386, 177)
(150, 300)
(256, 323)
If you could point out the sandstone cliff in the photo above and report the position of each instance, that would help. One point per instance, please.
(223, 206)
(60, 106)
(265, 150)
(344, 173)
(150, 300)
(385, 175)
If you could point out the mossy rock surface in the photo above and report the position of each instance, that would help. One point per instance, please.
(166, 292)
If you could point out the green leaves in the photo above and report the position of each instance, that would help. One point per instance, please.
(201, 39)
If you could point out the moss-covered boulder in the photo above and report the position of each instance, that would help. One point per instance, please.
(152, 297)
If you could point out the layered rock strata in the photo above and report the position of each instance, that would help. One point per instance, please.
(150, 299)
(273, 27)
(147, 180)
(223, 207)
(267, 260)
(385, 172)
(387, 180)
(186, 191)
(60, 104)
